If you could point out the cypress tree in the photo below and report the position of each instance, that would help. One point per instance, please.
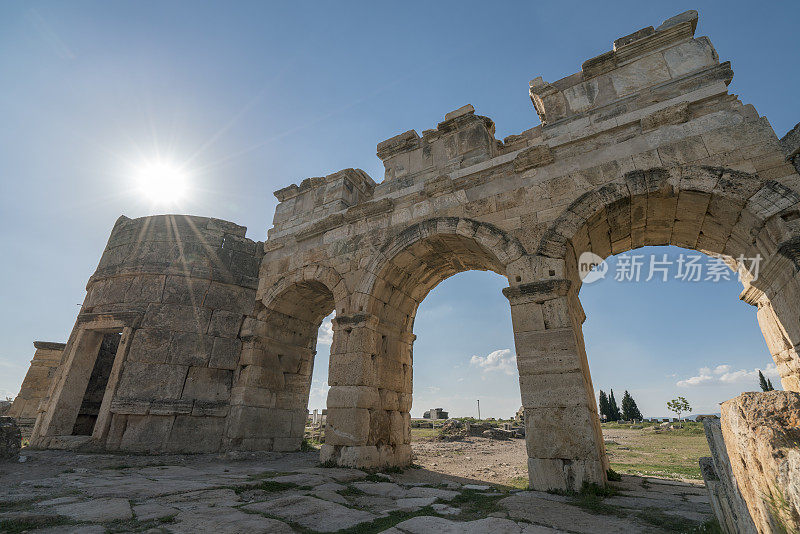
(765, 385)
(603, 405)
(629, 409)
(769, 385)
(613, 408)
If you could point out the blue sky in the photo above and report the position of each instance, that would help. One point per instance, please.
(251, 97)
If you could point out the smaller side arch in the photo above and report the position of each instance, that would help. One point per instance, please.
(322, 274)
(269, 400)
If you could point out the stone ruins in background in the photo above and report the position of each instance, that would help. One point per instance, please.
(194, 338)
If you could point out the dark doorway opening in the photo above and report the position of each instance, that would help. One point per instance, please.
(96, 388)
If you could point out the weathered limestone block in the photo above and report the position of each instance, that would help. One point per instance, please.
(762, 432)
(677, 114)
(145, 433)
(205, 384)
(225, 354)
(535, 156)
(10, 438)
(196, 434)
(723, 490)
(152, 381)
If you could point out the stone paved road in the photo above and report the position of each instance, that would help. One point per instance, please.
(63, 492)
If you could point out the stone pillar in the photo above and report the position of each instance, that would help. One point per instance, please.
(778, 312)
(365, 426)
(562, 429)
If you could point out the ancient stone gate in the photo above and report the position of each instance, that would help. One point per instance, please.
(643, 146)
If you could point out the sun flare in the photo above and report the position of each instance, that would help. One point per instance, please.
(162, 182)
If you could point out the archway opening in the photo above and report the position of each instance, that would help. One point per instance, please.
(270, 399)
(371, 368)
(465, 363)
(318, 392)
(665, 322)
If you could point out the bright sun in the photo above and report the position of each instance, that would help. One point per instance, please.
(162, 182)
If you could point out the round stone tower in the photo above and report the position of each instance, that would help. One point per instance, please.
(150, 361)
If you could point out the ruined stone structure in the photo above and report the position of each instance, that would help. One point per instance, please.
(25, 407)
(643, 146)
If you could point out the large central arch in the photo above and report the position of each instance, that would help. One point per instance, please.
(715, 210)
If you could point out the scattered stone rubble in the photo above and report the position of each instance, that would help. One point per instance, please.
(216, 333)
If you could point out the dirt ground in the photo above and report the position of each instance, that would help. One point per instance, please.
(476, 458)
(672, 455)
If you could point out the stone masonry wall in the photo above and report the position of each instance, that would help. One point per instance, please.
(184, 284)
(34, 387)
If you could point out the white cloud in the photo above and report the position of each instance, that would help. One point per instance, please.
(499, 360)
(325, 334)
(318, 397)
(723, 374)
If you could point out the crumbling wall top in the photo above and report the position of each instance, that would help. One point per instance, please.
(640, 61)
(461, 140)
(184, 245)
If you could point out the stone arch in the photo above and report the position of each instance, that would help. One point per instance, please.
(415, 260)
(717, 211)
(312, 274)
(371, 376)
(269, 401)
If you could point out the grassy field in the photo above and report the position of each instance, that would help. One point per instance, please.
(636, 451)
(669, 454)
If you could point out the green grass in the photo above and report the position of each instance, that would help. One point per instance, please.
(424, 433)
(309, 445)
(15, 526)
(268, 486)
(16, 506)
(590, 498)
(133, 525)
(519, 483)
(350, 491)
(659, 470)
(269, 474)
(644, 452)
(475, 504)
(384, 523)
(673, 523)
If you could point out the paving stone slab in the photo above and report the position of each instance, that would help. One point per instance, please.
(153, 510)
(313, 513)
(428, 524)
(225, 520)
(71, 529)
(565, 517)
(96, 510)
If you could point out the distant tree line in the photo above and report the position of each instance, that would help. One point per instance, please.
(609, 410)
